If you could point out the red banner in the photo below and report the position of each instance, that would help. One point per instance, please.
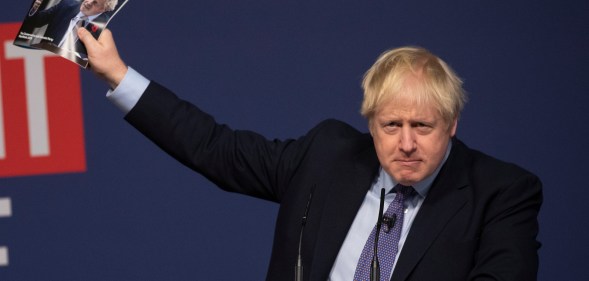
(41, 124)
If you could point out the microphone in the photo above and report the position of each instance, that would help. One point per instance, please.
(375, 265)
(389, 222)
(299, 266)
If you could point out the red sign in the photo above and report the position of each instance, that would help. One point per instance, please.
(41, 125)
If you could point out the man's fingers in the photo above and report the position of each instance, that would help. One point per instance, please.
(87, 39)
(103, 56)
(105, 37)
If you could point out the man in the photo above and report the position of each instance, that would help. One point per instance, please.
(64, 18)
(463, 215)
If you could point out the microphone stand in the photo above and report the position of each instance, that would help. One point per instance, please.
(299, 266)
(375, 265)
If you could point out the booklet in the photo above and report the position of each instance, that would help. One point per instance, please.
(51, 25)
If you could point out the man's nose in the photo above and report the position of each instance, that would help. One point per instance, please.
(407, 141)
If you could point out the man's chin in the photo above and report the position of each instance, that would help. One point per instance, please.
(407, 179)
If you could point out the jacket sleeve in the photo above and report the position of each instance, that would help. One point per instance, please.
(235, 160)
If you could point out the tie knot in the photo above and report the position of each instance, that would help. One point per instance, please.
(403, 189)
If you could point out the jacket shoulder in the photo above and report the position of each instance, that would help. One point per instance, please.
(487, 168)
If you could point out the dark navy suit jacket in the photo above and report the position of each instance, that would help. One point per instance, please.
(478, 221)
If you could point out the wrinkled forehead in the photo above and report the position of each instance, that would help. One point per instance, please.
(408, 106)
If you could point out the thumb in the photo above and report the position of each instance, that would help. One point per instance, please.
(88, 40)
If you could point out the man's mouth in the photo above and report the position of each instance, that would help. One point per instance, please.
(408, 161)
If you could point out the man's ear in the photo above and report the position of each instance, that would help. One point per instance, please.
(453, 127)
(370, 126)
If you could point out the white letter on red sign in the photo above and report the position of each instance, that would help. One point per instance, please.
(35, 97)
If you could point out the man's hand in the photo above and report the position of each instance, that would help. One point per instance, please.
(103, 56)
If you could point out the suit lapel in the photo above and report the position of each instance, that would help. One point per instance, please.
(345, 197)
(445, 198)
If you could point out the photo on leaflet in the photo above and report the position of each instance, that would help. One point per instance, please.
(51, 25)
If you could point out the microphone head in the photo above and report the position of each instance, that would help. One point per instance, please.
(389, 222)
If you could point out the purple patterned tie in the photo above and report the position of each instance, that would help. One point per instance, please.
(388, 243)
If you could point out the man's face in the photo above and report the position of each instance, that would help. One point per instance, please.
(92, 7)
(410, 140)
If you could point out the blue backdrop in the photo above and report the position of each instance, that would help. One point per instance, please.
(279, 67)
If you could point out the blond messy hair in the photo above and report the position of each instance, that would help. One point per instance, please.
(437, 83)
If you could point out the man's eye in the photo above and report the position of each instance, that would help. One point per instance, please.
(391, 127)
(423, 127)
